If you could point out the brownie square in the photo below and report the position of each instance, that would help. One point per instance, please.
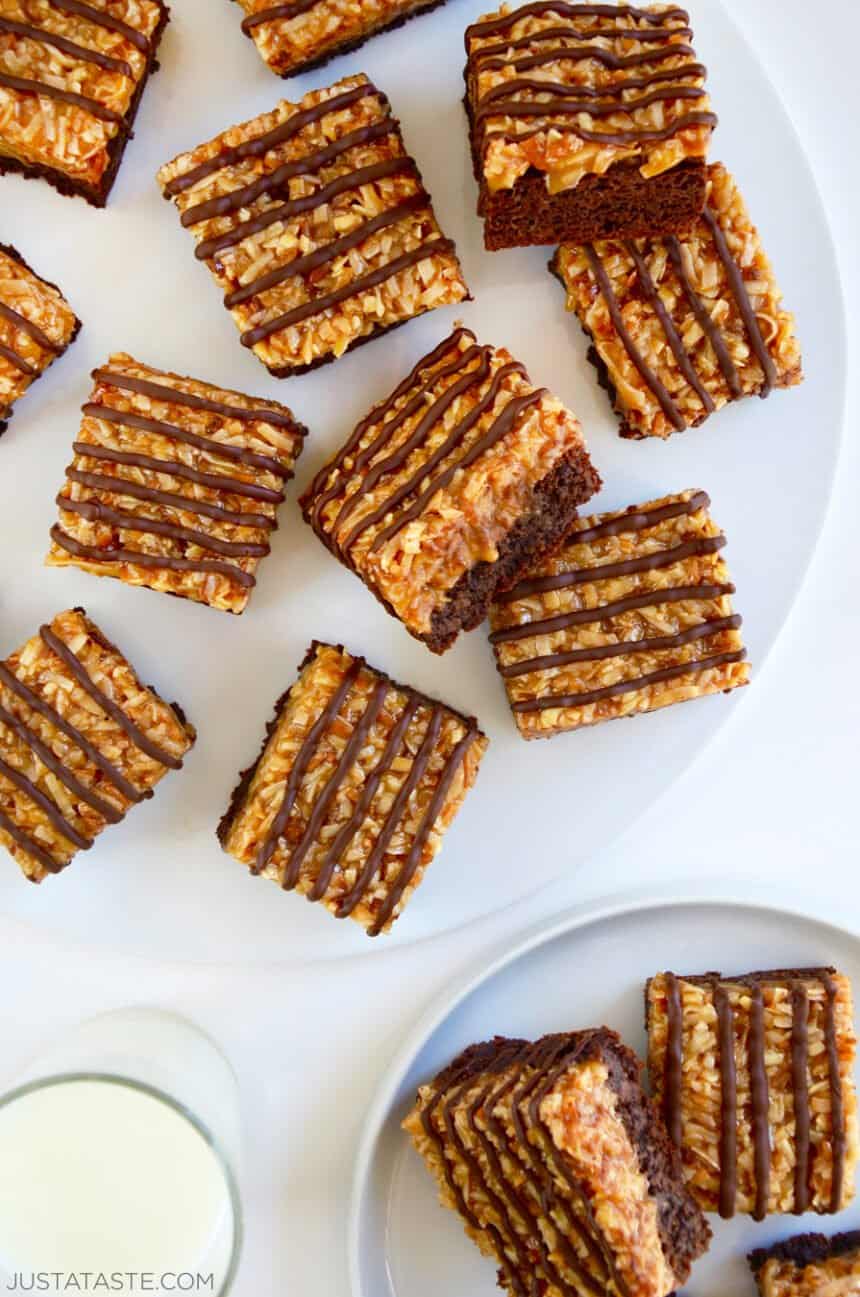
(450, 486)
(809, 1265)
(755, 1078)
(174, 484)
(586, 122)
(559, 1166)
(632, 613)
(358, 780)
(305, 34)
(681, 326)
(81, 741)
(36, 326)
(314, 222)
(71, 79)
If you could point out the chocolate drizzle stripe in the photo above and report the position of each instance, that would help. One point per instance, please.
(498, 24)
(434, 247)
(275, 13)
(703, 318)
(23, 85)
(300, 763)
(655, 644)
(109, 813)
(494, 103)
(18, 361)
(800, 1094)
(48, 807)
(496, 55)
(191, 401)
(32, 330)
(94, 511)
(169, 467)
(259, 145)
(837, 1103)
(760, 1102)
(106, 20)
(728, 1101)
(170, 499)
(416, 773)
(606, 571)
(140, 558)
(112, 709)
(627, 686)
(602, 612)
(413, 860)
(652, 296)
(75, 51)
(640, 519)
(673, 1062)
(28, 844)
(664, 399)
(742, 298)
(295, 206)
(327, 252)
(44, 709)
(644, 135)
(316, 819)
(581, 54)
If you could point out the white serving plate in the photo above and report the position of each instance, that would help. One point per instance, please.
(158, 884)
(582, 970)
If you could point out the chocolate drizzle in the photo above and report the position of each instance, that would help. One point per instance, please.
(583, 616)
(30, 845)
(837, 1103)
(191, 401)
(496, 55)
(24, 85)
(139, 558)
(652, 296)
(18, 361)
(728, 1101)
(105, 61)
(759, 1098)
(102, 19)
(742, 299)
(800, 1094)
(170, 499)
(673, 1074)
(597, 654)
(703, 318)
(110, 814)
(94, 511)
(30, 328)
(276, 13)
(639, 519)
(168, 467)
(489, 26)
(48, 807)
(628, 686)
(565, 103)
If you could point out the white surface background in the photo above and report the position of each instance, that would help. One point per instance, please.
(771, 807)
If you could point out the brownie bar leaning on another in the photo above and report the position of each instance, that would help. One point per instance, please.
(36, 326)
(462, 477)
(559, 1167)
(315, 224)
(809, 1265)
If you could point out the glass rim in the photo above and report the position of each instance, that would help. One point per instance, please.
(56, 1079)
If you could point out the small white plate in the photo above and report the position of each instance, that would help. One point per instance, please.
(583, 970)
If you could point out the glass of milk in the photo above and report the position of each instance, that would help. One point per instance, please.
(118, 1155)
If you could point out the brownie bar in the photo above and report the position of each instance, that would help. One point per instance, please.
(358, 779)
(36, 326)
(681, 326)
(586, 122)
(809, 1265)
(296, 37)
(81, 741)
(632, 613)
(71, 79)
(559, 1167)
(755, 1077)
(328, 177)
(450, 486)
(174, 484)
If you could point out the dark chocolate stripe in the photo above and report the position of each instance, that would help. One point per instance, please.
(262, 144)
(49, 808)
(139, 558)
(581, 54)
(316, 819)
(728, 1101)
(102, 19)
(398, 806)
(494, 103)
(24, 85)
(760, 1102)
(582, 616)
(170, 499)
(800, 1094)
(432, 248)
(742, 298)
(94, 511)
(32, 330)
(18, 361)
(116, 713)
(656, 644)
(652, 296)
(274, 13)
(28, 844)
(171, 467)
(837, 1103)
(640, 519)
(673, 1061)
(75, 51)
(328, 251)
(703, 318)
(640, 136)
(191, 401)
(296, 206)
(497, 55)
(109, 813)
(606, 571)
(649, 377)
(300, 764)
(627, 686)
(498, 24)
(44, 709)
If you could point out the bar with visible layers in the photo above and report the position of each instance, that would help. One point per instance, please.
(36, 326)
(809, 1265)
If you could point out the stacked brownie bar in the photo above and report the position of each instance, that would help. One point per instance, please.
(809, 1265)
(36, 326)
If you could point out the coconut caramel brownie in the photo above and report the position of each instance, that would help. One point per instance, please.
(755, 1078)
(587, 121)
(81, 741)
(632, 613)
(680, 326)
(174, 484)
(71, 79)
(36, 326)
(461, 477)
(357, 782)
(809, 1265)
(315, 224)
(559, 1166)
(305, 34)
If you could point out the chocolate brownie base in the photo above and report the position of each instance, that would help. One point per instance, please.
(805, 1249)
